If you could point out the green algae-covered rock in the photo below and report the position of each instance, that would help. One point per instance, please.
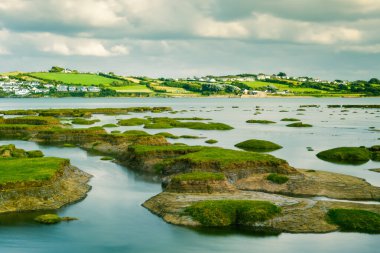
(258, 145)
(348, 155)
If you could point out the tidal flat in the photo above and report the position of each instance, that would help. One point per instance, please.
(354, 130)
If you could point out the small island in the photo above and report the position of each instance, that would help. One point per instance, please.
(203, 185)
(32, 182)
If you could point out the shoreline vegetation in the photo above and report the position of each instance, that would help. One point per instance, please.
(202, 185)
(62, 82)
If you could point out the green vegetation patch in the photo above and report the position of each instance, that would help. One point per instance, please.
(277, 178)
(258, 121)
(164, 122)
(222, 213)
(348, 155)
(52, 219)
(32, 120)
(168, 135)
(80, 121)
(228, 156)
(299, 124)
(258, 145)
(13, 170)
(109, 125)
(198, 176)
(48, 219)
(355, 220)
(75, 78)
(135, 133)
(211, 141)
(290, 119)
(133, 122)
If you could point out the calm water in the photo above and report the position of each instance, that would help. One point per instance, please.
(112, 219)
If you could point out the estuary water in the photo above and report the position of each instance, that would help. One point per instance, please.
(111, 218)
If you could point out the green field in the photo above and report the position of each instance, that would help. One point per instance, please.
(14, 170)
(75, 79)
(132, 89)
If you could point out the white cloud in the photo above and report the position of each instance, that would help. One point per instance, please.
(211, 28)
(119, 50)
(62, 45)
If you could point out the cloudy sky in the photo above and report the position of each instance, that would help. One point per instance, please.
(321, 38)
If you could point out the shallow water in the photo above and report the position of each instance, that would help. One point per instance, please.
(111, 218)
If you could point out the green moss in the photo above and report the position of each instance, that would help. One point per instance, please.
(133, 122)
(256, 121)
(227, 156)
(258, 145)
(164, 122)
(354, 220)
(211, 141)
(198, 176)
(180, 149)
(349, 155)
(190, 137)
(277, 178)
(192, 118)
(136, 133)
(109, 125)
(375, 156)
(298, 124)
(106, 158)
(34, 153)
(221, 213)
(115, 132)
(80, 121)
(69, 145)
(290, 119)
(168, 135)
(14, 170)
(32, 120)
(48, 219)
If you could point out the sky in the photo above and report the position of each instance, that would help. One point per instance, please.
(329, 39)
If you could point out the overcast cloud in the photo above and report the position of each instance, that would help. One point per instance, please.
(320, 38)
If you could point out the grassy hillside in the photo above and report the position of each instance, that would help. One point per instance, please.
(75, 79)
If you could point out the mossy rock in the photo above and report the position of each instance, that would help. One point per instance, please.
(52, 219)
(136, 133)
(34, 153)
(48, 219)
(277, 178)
(211, 141)
(223, 213)
(258, 145)
(109, 125)
(80, 121)
(290, 119)
(299, 124)
(69, 145)
(256, 121)
(198, 176)
(347, 155)
(355, 220)
(168, 135)
(133, 122)
(106, 158)
(375, 156)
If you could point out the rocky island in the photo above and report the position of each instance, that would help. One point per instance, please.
(212, 186)
(32, 182)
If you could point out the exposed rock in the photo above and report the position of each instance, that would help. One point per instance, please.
(199, 186)
(68, 187)
(317, 183)
(297, 216)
